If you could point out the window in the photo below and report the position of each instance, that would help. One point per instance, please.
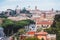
(33, 27)
(44, 26)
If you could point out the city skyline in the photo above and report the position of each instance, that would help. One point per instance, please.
(41, 4)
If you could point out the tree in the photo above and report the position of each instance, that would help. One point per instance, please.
(30, 21)
(11, 27)
(2, 15)
(21, 31)
(24, 10)
(8, 26)
(57, 17)
(55, 28)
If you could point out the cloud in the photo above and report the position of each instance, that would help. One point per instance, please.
(42, 4)
(7, 7)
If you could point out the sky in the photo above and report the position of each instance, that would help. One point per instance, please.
(41, 4)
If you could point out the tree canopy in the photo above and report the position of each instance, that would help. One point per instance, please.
(55, 27)
(31, 38)
(11, 27)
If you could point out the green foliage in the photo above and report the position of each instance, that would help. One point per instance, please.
(22, 23)
(21, 31)
(57, 17)
(3, 16)
(8, 26)
(51, 30)
(31, 38)
(39, 29)
(11, 27)
(30, 21)
(55, 28)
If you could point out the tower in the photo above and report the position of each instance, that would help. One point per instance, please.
(35, 7)
(17, 10)
(52, 9)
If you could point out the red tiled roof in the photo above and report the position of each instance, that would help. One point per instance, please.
(31, 33)
(37, 33)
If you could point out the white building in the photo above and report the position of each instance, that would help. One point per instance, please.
(31, 27)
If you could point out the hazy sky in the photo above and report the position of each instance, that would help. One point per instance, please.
(41, 4)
